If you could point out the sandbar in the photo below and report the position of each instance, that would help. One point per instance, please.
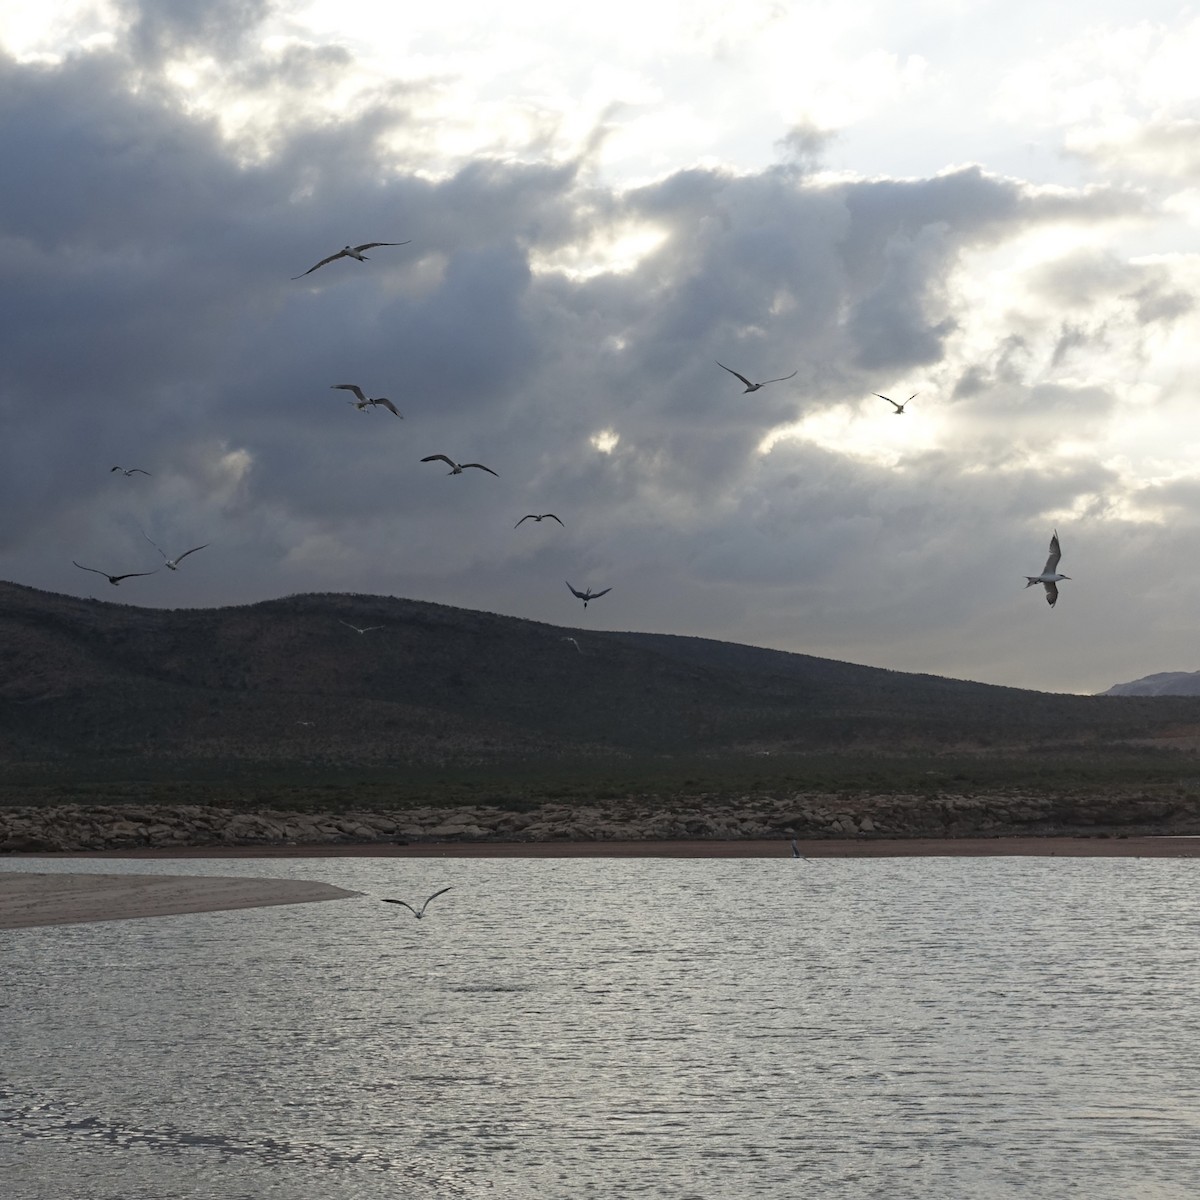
(29, 898)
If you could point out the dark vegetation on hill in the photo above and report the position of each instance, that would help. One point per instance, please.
(178, 701)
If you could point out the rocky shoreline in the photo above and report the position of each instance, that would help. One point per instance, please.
(77, 828)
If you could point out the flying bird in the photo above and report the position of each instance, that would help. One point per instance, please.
(589, 594)
(356, 629)
(574, 643)
(417, 912)
(459, 468)
(898, 407)
(1049, 577)
(113, 579)
(349, 252)
(364, 402)
(536, 517)
(172, 564)
(753, 387)
(130, 471)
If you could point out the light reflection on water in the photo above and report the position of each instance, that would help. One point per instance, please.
(605, 1028)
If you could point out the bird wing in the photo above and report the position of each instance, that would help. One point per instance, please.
(733, 372)
(1051, 593)
(888, 399)
(191, 551)
(356, 630)
(1055, 555)
(105, 573)
(780, 379)
(482, 468)
(597, 595)
(440, 458)
(155, 545)
(372, 245)
(389, 406)
(552, 517)
(434, 897)
(339, 254)
(573, 591)
(406, 904)
(350, 387)
(128, 575)
(117, 469)
(137, 471)
(527, 517)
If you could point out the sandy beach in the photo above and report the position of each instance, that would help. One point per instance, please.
(32, 898)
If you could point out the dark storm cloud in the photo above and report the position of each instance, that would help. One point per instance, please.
(151, 320)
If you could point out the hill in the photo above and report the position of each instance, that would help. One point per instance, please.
(1165, 683)
(286, 681)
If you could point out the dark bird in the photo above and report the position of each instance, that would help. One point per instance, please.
(417, 912)
(349, 252)
(753, 387)
(113, 579)
(536, 517)
(459, 468)
(588, 595)
(898, 407)
(1049, 577)
(130, 471)
(172, 564)
(364, 402)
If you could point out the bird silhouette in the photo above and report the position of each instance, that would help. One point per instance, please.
(113, 579)
(587, 595)
(348, 252)
(458, 468)
(417, 912)
(898, 407)
(753, 387)
(1049, 577)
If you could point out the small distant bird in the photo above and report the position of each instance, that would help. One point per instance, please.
(898, 407)
(459, 468)
(418, 912)
(574, 642)
(130, 471)
(753, 387)
(366, 629)
(113, 579)
(535, 517)
(588, 595)
(349, 252)
(172, 564)
(1049, 577)
(364, 402)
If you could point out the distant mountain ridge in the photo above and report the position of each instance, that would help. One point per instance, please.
(286, 681)
(1165, 683)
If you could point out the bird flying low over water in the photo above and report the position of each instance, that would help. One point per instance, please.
(898, 407)
(356, 629)
(130, 471)
(753, 387)
(364, 402)
(172, 564)
(458, 468)
(417, 912)
(113, 579)
(588, 595)
(536, 517)
(349, 252)
(1049, 577)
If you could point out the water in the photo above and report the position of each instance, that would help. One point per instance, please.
(933, 1028)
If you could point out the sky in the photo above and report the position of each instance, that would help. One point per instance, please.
(993, 206)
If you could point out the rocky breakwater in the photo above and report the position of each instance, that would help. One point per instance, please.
(64, 828)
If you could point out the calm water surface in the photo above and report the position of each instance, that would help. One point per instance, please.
(936, 1028)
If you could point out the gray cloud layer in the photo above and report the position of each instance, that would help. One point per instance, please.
(150, 320)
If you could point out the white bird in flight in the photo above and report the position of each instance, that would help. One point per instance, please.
(1049, 577)
(535, 517)
(459, 468)
(417, 912)
(113, 579)
(898, 407)
(753, 387)
(172, 564)
(588, 595)
(366, 629)
(364, 402)
(349, 252)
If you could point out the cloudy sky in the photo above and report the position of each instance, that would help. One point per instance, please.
(993, 205)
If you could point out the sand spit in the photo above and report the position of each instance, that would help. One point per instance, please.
(33, 898)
